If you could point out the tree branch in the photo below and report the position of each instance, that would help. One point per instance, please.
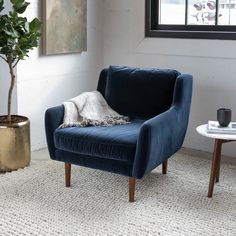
(16, 63)
(3, 58)
(13, 77)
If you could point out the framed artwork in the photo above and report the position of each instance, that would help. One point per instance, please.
(64, 26)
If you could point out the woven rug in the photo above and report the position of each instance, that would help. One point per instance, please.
(34, 201)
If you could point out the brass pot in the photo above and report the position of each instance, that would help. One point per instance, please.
(14, 143)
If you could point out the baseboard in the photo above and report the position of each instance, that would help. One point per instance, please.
(206, 155)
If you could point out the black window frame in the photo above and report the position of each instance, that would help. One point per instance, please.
(154, 29)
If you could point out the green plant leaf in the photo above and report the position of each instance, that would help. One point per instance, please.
(19, 6)
(6, 51)
(34, 25)
(11, 41)
(10, 31)
(13, 14)
(1, 5)
(17, 35)
(17, 3)
(3, 20)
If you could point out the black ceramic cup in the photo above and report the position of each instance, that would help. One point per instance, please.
(224, 116)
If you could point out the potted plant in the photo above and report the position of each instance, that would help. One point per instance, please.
(17, 37)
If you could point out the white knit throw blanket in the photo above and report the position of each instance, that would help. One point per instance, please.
(90, 109)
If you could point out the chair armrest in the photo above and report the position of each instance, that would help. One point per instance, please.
(53, 119)
(163, 135)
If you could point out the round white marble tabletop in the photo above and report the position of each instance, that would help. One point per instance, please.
(202, 129)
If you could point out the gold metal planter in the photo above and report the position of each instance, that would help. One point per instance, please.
(14, 143)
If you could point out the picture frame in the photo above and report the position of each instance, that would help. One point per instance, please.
(64, 26)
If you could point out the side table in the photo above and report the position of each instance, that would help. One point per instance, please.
(215, 167)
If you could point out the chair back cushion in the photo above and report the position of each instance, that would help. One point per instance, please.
(137, 92)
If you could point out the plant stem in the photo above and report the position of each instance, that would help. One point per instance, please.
(16, 62)
(13, 77)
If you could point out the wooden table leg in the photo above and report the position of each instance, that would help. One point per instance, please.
(215, 166)
(218, 167)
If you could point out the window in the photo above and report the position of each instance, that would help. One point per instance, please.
(209, 19)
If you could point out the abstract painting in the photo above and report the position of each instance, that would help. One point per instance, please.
(65, 26)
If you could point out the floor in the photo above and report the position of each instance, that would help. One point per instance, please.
(40, 155)
(34, 201)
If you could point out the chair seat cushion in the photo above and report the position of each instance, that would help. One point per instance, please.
(116, 142)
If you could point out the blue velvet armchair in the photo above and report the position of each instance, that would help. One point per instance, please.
(158, 103)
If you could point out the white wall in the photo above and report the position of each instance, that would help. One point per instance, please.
(46, 81)
(4, 87)
(211, 62)
(116, 36)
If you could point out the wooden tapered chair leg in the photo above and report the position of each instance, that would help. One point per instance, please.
(164, 167)
(67, 174)
(131, 189)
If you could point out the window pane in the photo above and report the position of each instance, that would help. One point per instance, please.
(172, 12)
(227, 12)
(201, 12)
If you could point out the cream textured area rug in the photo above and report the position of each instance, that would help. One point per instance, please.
(34, 201)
